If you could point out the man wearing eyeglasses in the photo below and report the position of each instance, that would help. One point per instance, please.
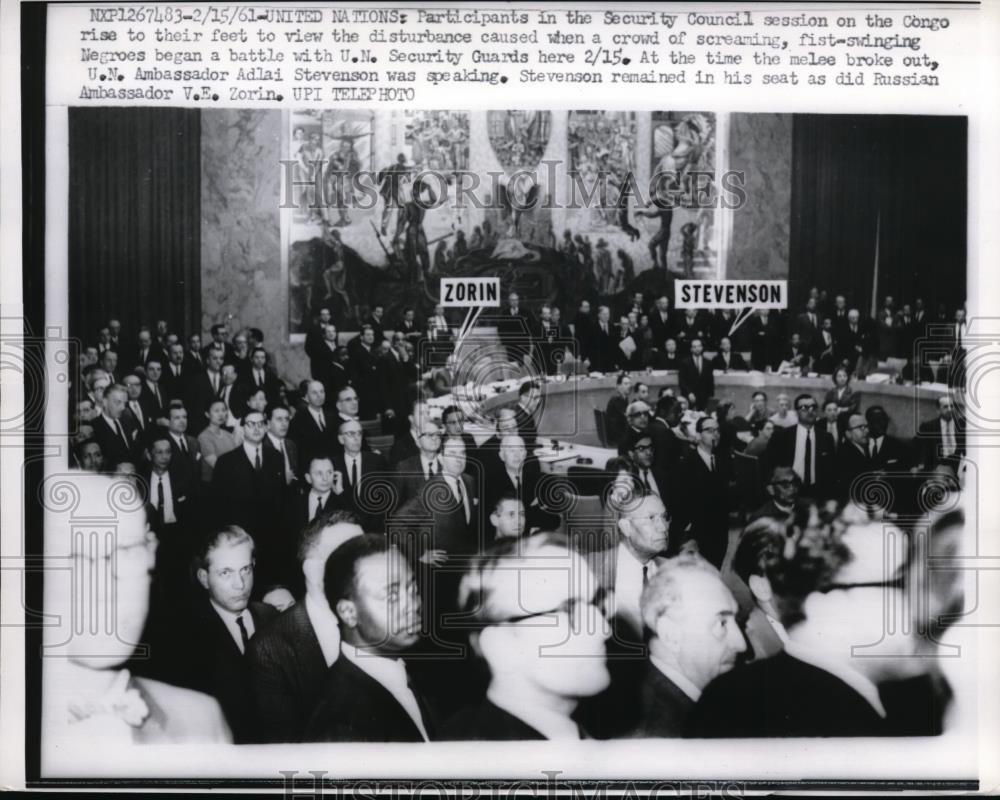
(539, 625)
(648, 476)
(783, 504)
(839, 593)
(854, 458)
(413, 473)
(355, 465)
(91, 704)
(806, 449)
(703, 500)
(691, 615)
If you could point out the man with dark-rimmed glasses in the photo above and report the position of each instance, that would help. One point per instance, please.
(534, 611)
(805, 448)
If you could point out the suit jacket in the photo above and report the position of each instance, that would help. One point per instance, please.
(364, 500)
(487, 722)
(669, 449)
(930, 441)
(663, 707)
(448, 529)
(662, 328)
(287, 674)
(736, 363)
(365, 379)
(499, 483)
(153, 409)
(200, 395)
(781, 453)
(410, 479)
(702, 507)
(851, 463)
(271, 385)
(398, 383)
(142, 424)
(604, 353)
(309, 439)
(182, 496)
(806, 330)
(526, 427)
(253, 500)
(699, 383)
(190, 464)
(175, 387)
(115, 449)
(210, 661)
(662, 479)
(894, 455)
(354, 707)
(404, 447)
(764, 341)
(291, 450)
(782, 696)
(615, 421)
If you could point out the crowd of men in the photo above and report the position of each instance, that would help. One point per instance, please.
(321, 588)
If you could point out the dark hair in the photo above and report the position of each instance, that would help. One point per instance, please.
(665, 405)
(314, 529)
(256, 350)
(757, 394)
(174, 405)
(700, 424)
(800, 398)
(526, 387)
(449, 410)
(341, 567)
(276, 407)
(248, 412)
(760, 546)
(257, 334)
(218, 326)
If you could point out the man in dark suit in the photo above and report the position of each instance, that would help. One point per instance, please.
(807, 325)
(453, 419)
(175, 374)
(824, 352)
(529, 397)
(376, 320)
(213, 645)
(117, 441)
(887, 452)
(407, 444)
(668, 447)
(806, 449)
(204, 387)
(815, 687)
(583, 332)
(260, 377)
(193, 359)
(726, 360)
(605, 356)
(764, 339)
(364, 375)
(167, 492)
(697, 382)
(854, 339)
(510, 471)
(703, 501)
(248, 490)
(691, 615)
(413, 473)
(135, 415)
(359, 471)
(398, 376)
(314, 342)
(941, 440)
(185, 448)
(289, 659)
(312, 428)
(152, 396)
(367, 696)
(783, 487)
(220, 340)
(278, 423)
(647, 474)
(661, 323)
(318, 498)
(853, 458)
(515, 329)
(146, 348)
(615, 420)
(533, 690)
(409, 326)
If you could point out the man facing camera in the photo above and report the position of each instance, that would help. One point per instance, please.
(367, 696)
(695, 638)
(541, 631)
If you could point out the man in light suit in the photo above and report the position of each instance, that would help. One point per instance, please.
(697, 382)
(290, 658)
(367, 695)
(695, 638)
(91, 698)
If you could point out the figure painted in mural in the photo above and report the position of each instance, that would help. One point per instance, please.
(340, 171)
(335, 274)
(664, 211)
(416, 254)
(689, 232)
(390, 188)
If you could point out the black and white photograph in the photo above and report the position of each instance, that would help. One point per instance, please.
(291, 505)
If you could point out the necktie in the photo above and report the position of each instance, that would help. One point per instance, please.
(463, 499)
(807, 478)
(156, 393)
(138, 414)
(256, 462)
(215, 382)
(430, 470)
(260, 379)
(874, 448)
(121, 432)
(159, 497)
(354, 472)
(713, 462)
(177, 370)
(243, 632)
(317, 502)
(182, 443)
(321, 422)
(697, 363)
(645, 575)
(284, 460)
(645, 483)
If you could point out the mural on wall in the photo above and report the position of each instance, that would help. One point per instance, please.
(388, 226)
(682, 179)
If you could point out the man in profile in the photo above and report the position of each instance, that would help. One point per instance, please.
(289, 659)
(531, 601)
(91, 704)
(694, 639)
(367, 696)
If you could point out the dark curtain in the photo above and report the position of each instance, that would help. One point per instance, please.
(898, 179)
(135, 219)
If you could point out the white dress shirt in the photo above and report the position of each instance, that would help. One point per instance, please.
(155, 480)
(391, 674)
(316, 500)
(949, 444)
(319, 417)
(325, 626)
(629, 584)
(799, 464)
(252, 451)
(426, 464)
(349, 462)
(459, 493)
(229, 618)
(706, 458)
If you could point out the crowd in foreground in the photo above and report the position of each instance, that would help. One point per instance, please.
(321, 590)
